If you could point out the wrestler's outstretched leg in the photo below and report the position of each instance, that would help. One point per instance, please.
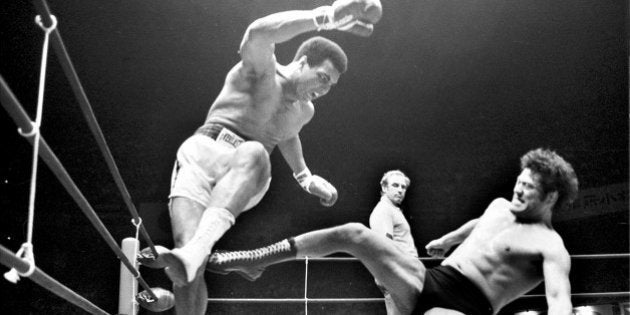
(247, 174)
(402, 274)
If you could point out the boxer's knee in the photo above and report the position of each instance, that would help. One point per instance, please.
(252, 157)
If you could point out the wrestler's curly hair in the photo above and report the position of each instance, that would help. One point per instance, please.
(556, 174)
(317, 49)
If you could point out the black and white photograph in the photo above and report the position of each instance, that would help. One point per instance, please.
(354, 157)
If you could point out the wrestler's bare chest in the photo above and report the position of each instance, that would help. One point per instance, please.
(264, 118)
(515, 240)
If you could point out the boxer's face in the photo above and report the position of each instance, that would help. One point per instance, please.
(396, 188)
(314, 82)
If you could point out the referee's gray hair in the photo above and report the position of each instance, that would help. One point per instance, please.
(391, 173)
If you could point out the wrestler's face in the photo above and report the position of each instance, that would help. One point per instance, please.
(314, 82)
(527, 195)
(396, 188)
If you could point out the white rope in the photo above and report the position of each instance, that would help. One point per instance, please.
(579, 256)
(305, 285)
(38, 122)
(381, 300)
(26, 251)
(287, 301)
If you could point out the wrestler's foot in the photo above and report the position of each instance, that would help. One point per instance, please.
(250, 264)
(146, 257)
(182, 267)
(241, 262)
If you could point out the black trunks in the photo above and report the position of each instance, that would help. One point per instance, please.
(446, 287)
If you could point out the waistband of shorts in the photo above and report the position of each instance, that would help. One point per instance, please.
(212, 130)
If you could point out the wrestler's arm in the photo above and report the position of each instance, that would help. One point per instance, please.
(258, 44)
(459, 235)
(381, 222)
(291, 150)
(440, 246)
(556, 267)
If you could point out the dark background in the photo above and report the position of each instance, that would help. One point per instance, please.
(451, 92)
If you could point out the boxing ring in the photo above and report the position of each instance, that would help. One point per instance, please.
(306, 300)
(23, 264)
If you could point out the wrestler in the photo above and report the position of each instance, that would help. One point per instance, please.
(388, 219)
(502, 255)
(224, 168)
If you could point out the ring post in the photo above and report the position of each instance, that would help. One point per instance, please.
(128, 284)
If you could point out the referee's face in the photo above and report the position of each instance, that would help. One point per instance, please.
(396, 188)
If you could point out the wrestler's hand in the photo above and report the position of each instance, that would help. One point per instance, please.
(437, 248)
(354, 16)
(326, 192)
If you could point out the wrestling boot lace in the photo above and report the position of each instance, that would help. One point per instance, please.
(249, 264)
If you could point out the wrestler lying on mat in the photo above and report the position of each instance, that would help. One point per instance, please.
(502, 255)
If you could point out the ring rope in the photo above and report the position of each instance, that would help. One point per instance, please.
(380, 300)
(585, 295)
(601, 256)
(88, 113)
(13, 261)
(580, 256)
(347, 259)
(72, 76)
(305, 285)
(17, 113)
(295, 300)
